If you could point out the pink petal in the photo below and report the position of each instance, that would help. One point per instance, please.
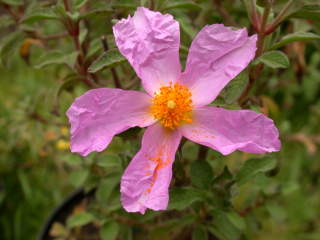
(228, 130)
(99, 114)
(216, 56)
(150, 41)
(146, 180)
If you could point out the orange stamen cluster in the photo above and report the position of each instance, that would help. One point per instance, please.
(172, 105)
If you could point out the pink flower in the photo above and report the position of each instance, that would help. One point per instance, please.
(174, 105)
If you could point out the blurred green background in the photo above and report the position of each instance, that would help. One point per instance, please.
(41, 75)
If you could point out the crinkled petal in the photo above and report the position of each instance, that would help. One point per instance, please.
(229, 130)
(150, 41)
(216, 56)
(146, 180)
(99, 114)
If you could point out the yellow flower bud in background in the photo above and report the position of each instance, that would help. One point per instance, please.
(62, 144)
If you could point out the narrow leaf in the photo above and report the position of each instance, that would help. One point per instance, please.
(77, 178)
(8, 45)
(254, 166)
(234, 89)
(79, 3)
(201, 174)
(181, 198)
(310, 12)
(199, 233)
(223, 227)
(274, 59)
(107, 60)
(104, 11)
(79, 219)
(109, 231)
(183, 5)
(56, 57)
(40, 15)
(13, 2)
(106, 187)
(297, 36)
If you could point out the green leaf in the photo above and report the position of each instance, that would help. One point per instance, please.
(40, 15)
(109, 161)
(9, 44)
(56, 57)
(106, 60)
(172, 226)
(130, 133)
(79, 3)
(234, 89)
(223, 227)
(109, 231)
(96, 12)
(226, 175)
(297, 36)
(186, 27)
(13, 2)
(6, 21)
(201, 174)
(183, 5)
(60, 10)
(263, 3)
(130, 6)
(237, 220)
(254, 166)
(199, 233)
(79, 219)
(25, 184)
(276, 211)
(106, 187)
(68, 82)
(274, 59)
(181, 198)
(287, 9)
(310, 12)
(78, 177)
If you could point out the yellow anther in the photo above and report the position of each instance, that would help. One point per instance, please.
(172, 105)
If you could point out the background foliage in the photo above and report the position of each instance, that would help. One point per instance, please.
(53, 51)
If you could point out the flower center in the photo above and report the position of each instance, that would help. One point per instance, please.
(172, 105)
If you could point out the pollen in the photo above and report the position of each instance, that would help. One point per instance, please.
(172, 105)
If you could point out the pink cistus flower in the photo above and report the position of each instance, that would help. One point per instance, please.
(173, 106)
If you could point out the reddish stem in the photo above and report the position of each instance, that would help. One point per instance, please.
(255, 72)
(114, 73)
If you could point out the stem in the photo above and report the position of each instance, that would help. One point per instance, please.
(12, 13)
(77, 43)
(181, 175)
(114, 73)
(133, 81)
(152, 4)
(104, 43)
(224, 13)
(73, 30)
(279, 18)
(261, 33)
(66, 5)
(202, 153)
(255, 72)
(255, 19)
